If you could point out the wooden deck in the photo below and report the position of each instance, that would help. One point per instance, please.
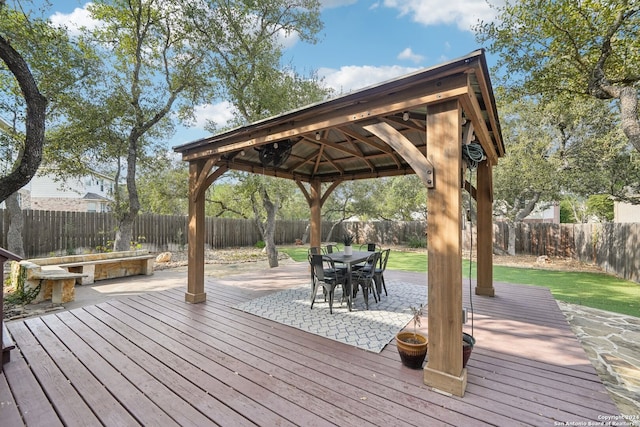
(155, 360)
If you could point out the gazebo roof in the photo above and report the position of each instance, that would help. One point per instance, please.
(339, 139)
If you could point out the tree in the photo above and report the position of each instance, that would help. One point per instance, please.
(163, 187)
(401, 198)
(575, 48)
(29, 153)
(529, 172)
(165, 57)
(42, 67)
(600, 206)
(248, 67)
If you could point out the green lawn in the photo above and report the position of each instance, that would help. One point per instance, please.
(594, 290)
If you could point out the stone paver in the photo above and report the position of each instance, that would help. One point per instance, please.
(612, 342)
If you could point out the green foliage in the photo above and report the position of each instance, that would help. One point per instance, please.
(600, 206)
(400, 198)
(555, 47)
(163, 187)
(416, 316)
(416, 242)
(21, 295)
(260, 244)
(569, 49)
(566, 212)
(347, 239)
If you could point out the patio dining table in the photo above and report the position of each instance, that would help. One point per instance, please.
(349, 260)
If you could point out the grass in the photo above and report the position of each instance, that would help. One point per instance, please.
(596, 290)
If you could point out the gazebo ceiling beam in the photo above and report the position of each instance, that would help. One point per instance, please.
(365, 140)
(451, 87)
(415, 123)
(473, 112)
(408, 151)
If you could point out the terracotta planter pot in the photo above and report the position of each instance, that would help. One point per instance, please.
(468, 342)
(411, 353)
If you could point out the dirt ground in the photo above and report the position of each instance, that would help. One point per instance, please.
(550, 263)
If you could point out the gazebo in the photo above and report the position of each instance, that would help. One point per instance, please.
(416, 124)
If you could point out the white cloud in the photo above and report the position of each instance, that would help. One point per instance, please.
(221, 114)
(410, 55)
(349, 78)
(464, 13)
(328, 4)
(74, 21)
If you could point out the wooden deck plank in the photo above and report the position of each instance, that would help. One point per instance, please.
(212, 395)
(162, 361)
(68, 404)
(132, 400)
(516, 407)
(8, 407)
(240, 349)
(89, 389)
(170, 407)
(309, 375)
(34, 406)
(323, 351)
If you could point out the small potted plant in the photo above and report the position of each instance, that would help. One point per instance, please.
(412, 346)
(348, 240)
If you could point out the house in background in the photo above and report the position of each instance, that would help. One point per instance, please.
(549, 213)
(626, 212)
(91, 193)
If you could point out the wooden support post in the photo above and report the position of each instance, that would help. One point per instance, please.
(315, 205)
(485, 230)
(195, 270)
(444, 138)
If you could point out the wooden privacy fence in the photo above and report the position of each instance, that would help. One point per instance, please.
(47, 233)
(614, 247)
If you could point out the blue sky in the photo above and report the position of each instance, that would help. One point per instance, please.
(363, 42)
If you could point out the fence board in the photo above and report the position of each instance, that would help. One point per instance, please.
(614, 247)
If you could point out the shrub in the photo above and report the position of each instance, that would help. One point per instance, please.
(417, 242)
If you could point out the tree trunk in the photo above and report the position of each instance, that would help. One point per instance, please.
(333, 226)
(628, 96)
(124, 234)
(31, 155)
(16, 223)
(305, 236)
(268, 228)
(511, 245)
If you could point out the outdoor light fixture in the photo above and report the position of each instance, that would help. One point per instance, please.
(317, 136)
(405, 116)
(274, 154)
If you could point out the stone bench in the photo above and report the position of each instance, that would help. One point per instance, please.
(101, 266)
(109, 268)
(59, 275)
(57, 284)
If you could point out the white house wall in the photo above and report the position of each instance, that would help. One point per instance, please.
(87, 194)
(626, 212)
